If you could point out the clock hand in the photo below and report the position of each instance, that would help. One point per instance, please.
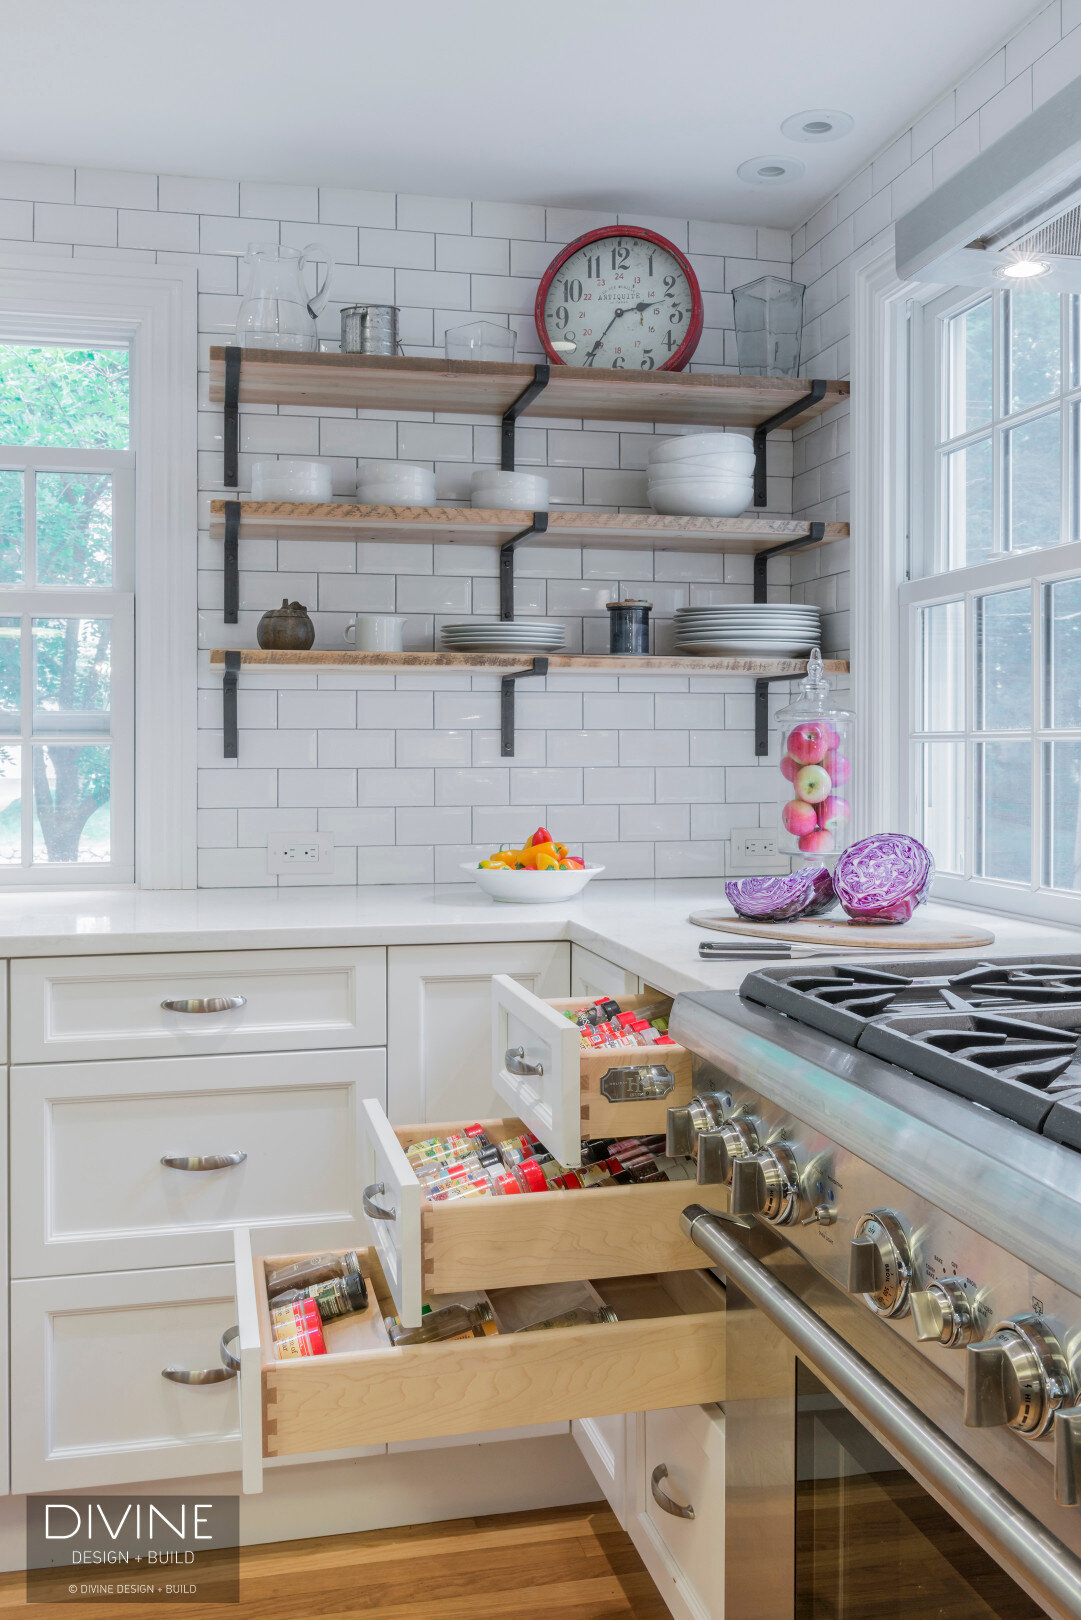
(615, 317)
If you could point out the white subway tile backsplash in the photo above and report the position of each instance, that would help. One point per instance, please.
(400, 864)
(395, 710)
(433, 748)
(74, 223)
(317, 787)
(396, 787)
(424, 825)
(37, 182)
(616, 786)
(695, 785)
(638, 821)
(547, 785)
(279, 202)
(472, 786)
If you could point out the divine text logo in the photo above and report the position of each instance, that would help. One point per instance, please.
(138, 1549)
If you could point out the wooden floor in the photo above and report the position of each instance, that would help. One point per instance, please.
(572, 1562)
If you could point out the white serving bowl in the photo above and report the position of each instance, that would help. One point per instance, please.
(511, 491)
(291, 480)
(392, 472)
(694, 465)
(379, 494)
(532, 888)
(706, 500)
(698, 444)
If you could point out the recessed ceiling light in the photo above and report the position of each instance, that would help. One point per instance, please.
(818, 124)
(1023, 269)
(770, 171)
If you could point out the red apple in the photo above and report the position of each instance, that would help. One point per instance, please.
(789, 767)
(808, 741)
(819, 842)
(833, 812)
(833, 738)
(812, 784)
(799, 818)
(837, 764)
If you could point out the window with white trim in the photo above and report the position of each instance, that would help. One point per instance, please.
(990, 626)
(67, 468)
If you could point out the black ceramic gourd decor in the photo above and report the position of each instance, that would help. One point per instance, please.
(288, 628)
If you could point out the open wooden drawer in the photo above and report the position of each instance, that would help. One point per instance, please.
(563, 1093)
(667, 1349)
(441, 1248)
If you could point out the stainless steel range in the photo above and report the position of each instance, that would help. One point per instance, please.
(890, 1165)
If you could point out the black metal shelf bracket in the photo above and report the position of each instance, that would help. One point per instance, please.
(816, 532)
(772, 423)
(231, 441)
(231, 564)
(506, 704)
(541, 378)
(506, 563)
(228, 705)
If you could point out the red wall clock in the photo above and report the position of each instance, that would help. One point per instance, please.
(621, 297)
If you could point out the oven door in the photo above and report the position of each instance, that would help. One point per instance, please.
(844, 1497)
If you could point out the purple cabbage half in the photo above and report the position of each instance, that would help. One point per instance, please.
(806, 893)
(884, 878)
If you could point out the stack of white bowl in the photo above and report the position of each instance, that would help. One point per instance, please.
(504, 635)
(702, 475)
(509, 491)
(395, 483)
(287, 478)
(749, 630)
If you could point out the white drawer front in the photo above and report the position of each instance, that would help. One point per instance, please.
(593, 975)
(392, 1205)
(687, 1442)
(92, 1406)
(67, 1008)
(528, 1034)
(93, 1194)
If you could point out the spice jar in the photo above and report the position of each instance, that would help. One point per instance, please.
(288, 627)
(816, 764)
(628, 627)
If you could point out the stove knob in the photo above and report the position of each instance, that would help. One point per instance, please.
(946, 1311)
(1019, 1378)
(766, 1183)
(719, 1149)
(880, 1263)
(821, 1215)
(685, 1125)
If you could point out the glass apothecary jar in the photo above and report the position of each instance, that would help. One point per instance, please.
(816, 764)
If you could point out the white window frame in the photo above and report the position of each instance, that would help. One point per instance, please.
(151, 310)
(887, 429)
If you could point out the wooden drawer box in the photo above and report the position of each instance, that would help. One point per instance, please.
(89, 1139)
(667, 1348)
(439, 1248)
(77, 1007)
(564, 1098)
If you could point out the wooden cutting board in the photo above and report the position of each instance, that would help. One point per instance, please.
(840, 931)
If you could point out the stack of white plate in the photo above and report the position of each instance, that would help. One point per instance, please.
(509, 636)
(511, 491)
(749, 630)
(702, 474)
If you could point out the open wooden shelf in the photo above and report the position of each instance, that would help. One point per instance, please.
(502, 663)
(401, 383)
(347, 520)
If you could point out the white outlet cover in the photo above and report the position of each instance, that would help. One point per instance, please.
(744, 860)
(296, 854)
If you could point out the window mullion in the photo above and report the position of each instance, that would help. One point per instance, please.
(26, 719)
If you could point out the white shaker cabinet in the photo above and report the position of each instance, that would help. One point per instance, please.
(439, 1023)
(92, 1406)
(593, 975)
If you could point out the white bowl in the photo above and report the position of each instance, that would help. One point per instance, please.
(706, 502)
(291, 480)
(391, 472)
(397, 494)
(697, 444)
(743, 463)
(509, 489)
(532, 888)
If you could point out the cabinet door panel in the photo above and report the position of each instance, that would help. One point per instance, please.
(87, 1357)
(593, 975)
(439, 1022)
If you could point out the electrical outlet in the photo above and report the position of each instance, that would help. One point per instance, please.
(754, 850)
(308, 852)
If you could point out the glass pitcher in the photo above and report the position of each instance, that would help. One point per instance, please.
(276, 312)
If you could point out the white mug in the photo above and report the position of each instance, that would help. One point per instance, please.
(375, 632)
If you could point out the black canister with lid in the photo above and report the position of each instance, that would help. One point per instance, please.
(628, 626)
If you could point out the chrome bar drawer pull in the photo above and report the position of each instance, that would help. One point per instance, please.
(374, 1211)
(516, 1064)
(202, 1161)
(662, 1498)
(206, 1375)
(204, 1004)
(229, 1360)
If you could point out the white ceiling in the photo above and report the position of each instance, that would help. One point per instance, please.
(641, 105)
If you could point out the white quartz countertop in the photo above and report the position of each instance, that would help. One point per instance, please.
(642, 926)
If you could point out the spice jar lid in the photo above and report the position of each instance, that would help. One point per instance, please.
(628, 602)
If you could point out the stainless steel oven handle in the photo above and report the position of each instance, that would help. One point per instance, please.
(1021, 1544)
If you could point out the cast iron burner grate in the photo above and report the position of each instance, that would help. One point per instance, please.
(946, 1023)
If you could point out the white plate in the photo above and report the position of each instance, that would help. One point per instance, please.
(742, 649)
(532, 888)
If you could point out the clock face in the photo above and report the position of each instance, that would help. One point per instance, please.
(621, 299)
